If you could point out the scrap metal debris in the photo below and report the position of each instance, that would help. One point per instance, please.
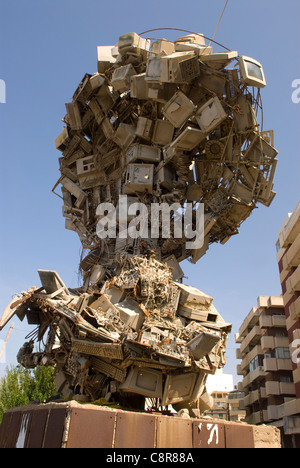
(165, 122)
(140, 333)
(161, 123)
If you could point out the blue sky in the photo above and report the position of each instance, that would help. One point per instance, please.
(46, 46)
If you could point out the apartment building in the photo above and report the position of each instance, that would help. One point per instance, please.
(288, 256)
(220, 408)
(266, 364)
(227, 405)
(235, 402)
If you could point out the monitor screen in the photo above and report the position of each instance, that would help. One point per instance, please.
(252, 73)
(154, 68)
(254, 70)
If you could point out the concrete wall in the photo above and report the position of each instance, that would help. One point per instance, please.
(72, 425)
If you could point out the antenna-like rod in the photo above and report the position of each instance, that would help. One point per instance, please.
(6, 340)
(219, 22)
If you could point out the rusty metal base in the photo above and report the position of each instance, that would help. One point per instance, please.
(72, 425)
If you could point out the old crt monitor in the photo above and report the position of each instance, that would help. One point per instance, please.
(252, 72)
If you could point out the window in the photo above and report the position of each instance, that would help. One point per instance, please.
(280, 334)
(286, 379)
(220, 404)
(282, 353)
(236, 396)
(255, 363)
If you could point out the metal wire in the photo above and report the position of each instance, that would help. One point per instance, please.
(219, 21)
(186, 31)
(33, 335)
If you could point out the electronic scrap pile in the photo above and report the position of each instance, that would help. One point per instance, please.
(160, 122)
(166, 122)
(142, 334)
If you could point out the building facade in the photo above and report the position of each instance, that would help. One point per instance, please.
(235, 402)
(288, 256)
(220, 408)
(266, 364)
(227, 405)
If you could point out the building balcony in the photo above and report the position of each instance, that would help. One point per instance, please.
(255, 396)
(292, 257)
(276, 301)
(292, 407)
(279, 321)
(280, 388)
(267, 342)
(248, 400)
(271, 342)
(296, 334)
(273, 388)
(281, 342)
(284, 365)
(270, 365)
(253, 338)
(295, 309)
(257, 351)
(296, 376)
(238, 338)
(265, 321)
(287, 388)
(274, 365)
(250, 321)
(257, 418)
(291, 228)
(293, 282)
(240, 386)
(275, 412)
(257, 374)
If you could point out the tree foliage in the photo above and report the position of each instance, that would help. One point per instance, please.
(21, 386)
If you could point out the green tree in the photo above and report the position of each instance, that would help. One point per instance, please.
(21, 387)
(43, 383)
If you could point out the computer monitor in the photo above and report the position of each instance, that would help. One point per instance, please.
(154, 69)
(252, 73)
(131, 41)
(147, 382)
(179, 388)
(179, 67)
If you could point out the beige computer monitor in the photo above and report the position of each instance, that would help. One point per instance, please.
(252, 72)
